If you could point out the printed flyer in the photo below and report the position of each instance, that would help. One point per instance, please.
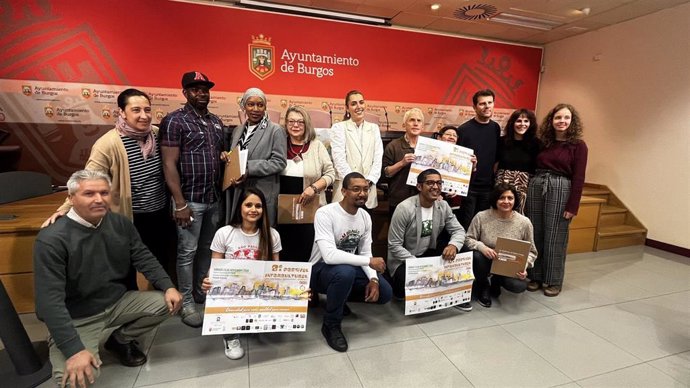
(432, 283)
(251, 296)
(452, 161)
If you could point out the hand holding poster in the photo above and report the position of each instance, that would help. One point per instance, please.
(251, 296)
(452, 161)
(432, 283)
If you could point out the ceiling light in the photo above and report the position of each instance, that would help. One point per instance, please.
(435, 7)
(525, 21)
(305, 11)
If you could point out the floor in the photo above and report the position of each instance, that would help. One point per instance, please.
(623, 320)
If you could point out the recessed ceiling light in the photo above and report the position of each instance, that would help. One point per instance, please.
(435, 7)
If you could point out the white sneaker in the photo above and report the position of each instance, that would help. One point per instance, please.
(233, 348)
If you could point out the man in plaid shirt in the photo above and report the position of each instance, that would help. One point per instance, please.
(191, 143)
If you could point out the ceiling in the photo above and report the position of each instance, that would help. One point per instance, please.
(566, 15)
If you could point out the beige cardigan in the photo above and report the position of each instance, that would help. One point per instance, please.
(108, 155)
(317, 165)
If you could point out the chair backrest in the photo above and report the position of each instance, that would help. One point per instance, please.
(18, 185)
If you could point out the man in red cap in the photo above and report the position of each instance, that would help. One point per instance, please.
(191, 143)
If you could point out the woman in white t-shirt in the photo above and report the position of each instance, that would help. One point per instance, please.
(248, 237)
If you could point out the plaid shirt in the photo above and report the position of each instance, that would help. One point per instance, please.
(200, 140)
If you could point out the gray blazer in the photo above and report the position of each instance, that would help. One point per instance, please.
(406, 229)
(266, 155)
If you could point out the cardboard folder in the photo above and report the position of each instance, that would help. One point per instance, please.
(291, 212)
(235, 166)
(512, 257)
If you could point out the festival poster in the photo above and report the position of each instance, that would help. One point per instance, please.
(452, 161)
(250, 296)
(432, 283)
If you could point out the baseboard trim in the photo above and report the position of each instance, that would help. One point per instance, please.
(667, 247)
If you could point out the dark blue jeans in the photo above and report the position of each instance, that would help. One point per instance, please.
(341, 283)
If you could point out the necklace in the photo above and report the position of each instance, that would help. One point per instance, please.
(298, 154)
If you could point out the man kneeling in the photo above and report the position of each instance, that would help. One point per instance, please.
(81, 266)
(343, 267)
(416, 224)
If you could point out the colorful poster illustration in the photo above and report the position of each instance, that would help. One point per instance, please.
(432, 283)
(251, 296)
(452, 161)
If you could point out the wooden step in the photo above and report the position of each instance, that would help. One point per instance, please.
(618, 236)
(620, 230)
(612, 216)
(593, 191)
(608, 209)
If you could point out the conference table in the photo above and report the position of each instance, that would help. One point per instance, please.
(17, 237)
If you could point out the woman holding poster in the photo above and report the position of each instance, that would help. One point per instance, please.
(248, 237)
(308, 173)
(554, 193)
(517, 152)
(356, 146)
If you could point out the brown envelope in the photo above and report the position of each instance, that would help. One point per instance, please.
(291, 212)
(232, 167)
(512, 257)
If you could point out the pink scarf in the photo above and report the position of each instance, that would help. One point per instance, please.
(146, 141)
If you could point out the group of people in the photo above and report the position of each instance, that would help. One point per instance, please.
(115, 219)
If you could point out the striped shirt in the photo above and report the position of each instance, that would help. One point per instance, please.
(200, 140)
(146, 177)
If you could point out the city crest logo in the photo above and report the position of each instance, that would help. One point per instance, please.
(26, 90)
(86, 93)
(261, 54)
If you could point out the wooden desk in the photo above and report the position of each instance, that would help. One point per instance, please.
(17, 245)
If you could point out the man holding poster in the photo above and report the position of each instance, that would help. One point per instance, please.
(343, 266)
(398, 158)
(415, 227)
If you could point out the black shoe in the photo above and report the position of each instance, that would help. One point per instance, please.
(128, 354)
(484, 298)
(346, 310)
(335, 337)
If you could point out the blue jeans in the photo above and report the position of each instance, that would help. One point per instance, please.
(341, 283)
(194, 246)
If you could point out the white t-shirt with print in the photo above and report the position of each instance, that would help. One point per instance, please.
(427, 226)
(235, 244)
(342, 238)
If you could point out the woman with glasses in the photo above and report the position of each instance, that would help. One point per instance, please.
(266, 149)
(309, 171)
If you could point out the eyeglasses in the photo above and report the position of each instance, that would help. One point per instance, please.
(359, 189)
(295, 122)
(433, 183)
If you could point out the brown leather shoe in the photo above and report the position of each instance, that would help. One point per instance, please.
(533, 286)
(552, 290)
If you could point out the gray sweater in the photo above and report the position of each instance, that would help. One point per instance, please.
(79, 272)
(486, 227)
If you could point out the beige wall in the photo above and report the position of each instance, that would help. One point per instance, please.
(635, 104)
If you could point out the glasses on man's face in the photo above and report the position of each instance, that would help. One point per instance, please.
(359, 189)
(292, 123)
(433, 183)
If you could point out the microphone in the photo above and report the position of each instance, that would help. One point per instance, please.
(388, 124)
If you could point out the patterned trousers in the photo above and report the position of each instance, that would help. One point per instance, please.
(546, 200)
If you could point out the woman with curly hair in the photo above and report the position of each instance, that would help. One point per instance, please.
(554, 193)
(517, 153)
